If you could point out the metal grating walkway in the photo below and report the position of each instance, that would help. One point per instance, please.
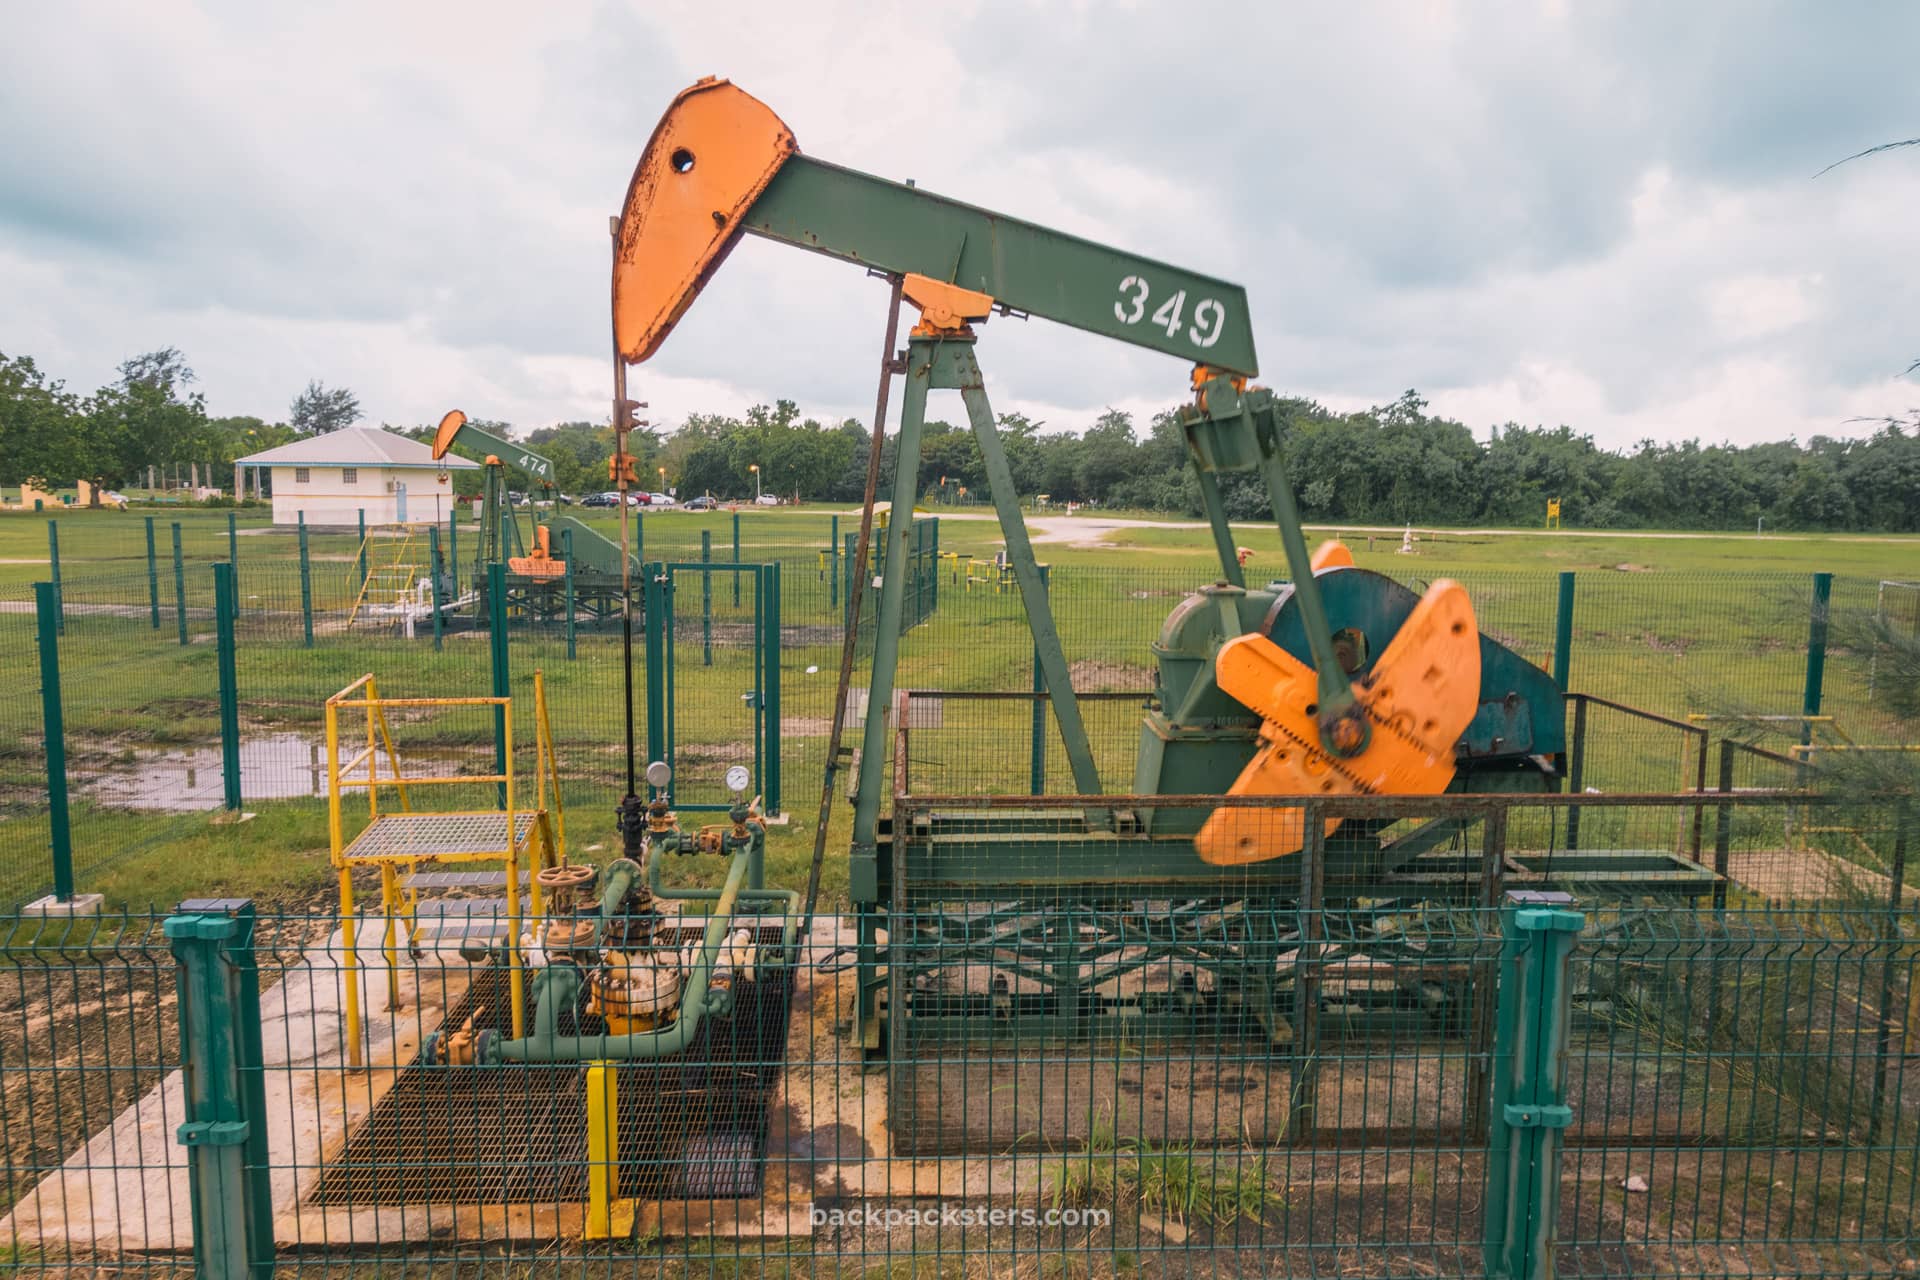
(437, 835)
(691, 1127)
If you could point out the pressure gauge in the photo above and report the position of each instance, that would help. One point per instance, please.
(737, 779)
(659, 774)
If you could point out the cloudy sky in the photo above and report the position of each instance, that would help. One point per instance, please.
(1597, 214)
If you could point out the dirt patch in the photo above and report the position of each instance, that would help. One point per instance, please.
(1090, 675)
(1632, 568)
(806, 726)
(1665, 644)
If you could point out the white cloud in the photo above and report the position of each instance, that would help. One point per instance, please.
(1580, 215)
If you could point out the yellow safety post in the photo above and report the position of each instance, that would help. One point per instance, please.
(603, 1147)
(350, 960)
(515, 970)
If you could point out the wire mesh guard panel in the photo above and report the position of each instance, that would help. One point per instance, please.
(1289, 1093)
(1746, 1094)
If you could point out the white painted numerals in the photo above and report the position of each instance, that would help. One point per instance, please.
(1209, 315)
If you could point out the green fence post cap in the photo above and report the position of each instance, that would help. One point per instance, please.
(200, 927)
(1548, 920)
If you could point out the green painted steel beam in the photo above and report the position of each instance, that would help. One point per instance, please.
(514, 455)
(896, 228)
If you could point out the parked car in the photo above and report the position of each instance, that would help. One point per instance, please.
(660, 499)
(767, 500)
(702, 503)
(601, 500)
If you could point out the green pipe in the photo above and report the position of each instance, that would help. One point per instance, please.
(546, 1046)
(750, 895)
(615, 886)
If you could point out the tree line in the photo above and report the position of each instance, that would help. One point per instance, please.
(1391, 464)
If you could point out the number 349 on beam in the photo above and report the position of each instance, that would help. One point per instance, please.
(1136, 294)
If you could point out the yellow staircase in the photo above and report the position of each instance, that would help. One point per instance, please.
(398, 838)
(390, 579)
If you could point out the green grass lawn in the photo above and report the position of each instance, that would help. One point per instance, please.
(1677, 625)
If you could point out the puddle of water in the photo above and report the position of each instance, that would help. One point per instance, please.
(278, 766)
(274, 766)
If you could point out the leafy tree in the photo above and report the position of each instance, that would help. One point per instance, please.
(320, 409)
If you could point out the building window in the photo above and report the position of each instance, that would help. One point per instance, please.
(299, 475)
(349, 475)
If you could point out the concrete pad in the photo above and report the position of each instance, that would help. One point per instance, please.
(51, 908)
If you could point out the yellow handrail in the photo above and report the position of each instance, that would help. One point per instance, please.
(545, 839)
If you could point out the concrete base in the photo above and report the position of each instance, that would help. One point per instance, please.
(51, 908)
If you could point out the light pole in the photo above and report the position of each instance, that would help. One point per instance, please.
(663, 481)
(755, 468)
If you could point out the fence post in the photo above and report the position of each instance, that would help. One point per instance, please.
(1576, 770)
(59, 595)
(566, 551)
(225, 1089)
(1529, 1108)
(654, 605)
(46, 602)
(362, 513)
(453, 548)
(434, 569)
(233, 546)
(1816, 651)
(1037, 740)
(833, 561)
(1890, 939)
(770, 690)
(306, 585)
(1563, 632)
(1304, 1052)
(179, 583)
(497, 645)
(850, 544)
(933, 564)
(153, 577)
(706, 599)
(224, 608)
(736, 559)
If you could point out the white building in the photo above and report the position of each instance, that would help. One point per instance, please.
(333, 478)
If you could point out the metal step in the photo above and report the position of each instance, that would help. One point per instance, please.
(460, 879)
(460, 917)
